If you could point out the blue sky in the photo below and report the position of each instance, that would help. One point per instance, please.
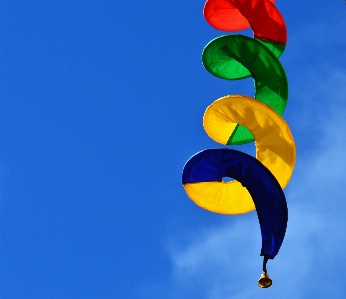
(101, 105)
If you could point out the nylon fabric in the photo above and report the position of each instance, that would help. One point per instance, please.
(231, 15)
(225, 57)
(210, 166)
(275, 146)
(262, 16)
(229, 198)
(238, 119)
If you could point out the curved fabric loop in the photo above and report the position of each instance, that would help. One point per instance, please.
(234, 15)
(210, 166)
(219, 58)
(275, 146)
(264, 18)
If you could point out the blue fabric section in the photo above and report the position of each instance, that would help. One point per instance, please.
(213, 164)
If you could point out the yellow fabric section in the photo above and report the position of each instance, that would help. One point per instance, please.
(275, 148)
(220, 124)
(221, 197)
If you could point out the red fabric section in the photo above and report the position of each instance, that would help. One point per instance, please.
(261, 15)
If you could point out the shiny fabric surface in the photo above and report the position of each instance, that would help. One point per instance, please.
(210, 166)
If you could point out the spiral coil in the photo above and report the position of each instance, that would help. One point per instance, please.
(239, 119)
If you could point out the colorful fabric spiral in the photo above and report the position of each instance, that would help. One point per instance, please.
(239, 119)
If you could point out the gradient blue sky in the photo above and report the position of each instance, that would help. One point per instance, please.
(102, 105)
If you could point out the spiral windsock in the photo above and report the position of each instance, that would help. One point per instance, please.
(239, 119)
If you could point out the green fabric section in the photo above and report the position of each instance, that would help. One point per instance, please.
(271, 85)
(240, 135)
(276, 48)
